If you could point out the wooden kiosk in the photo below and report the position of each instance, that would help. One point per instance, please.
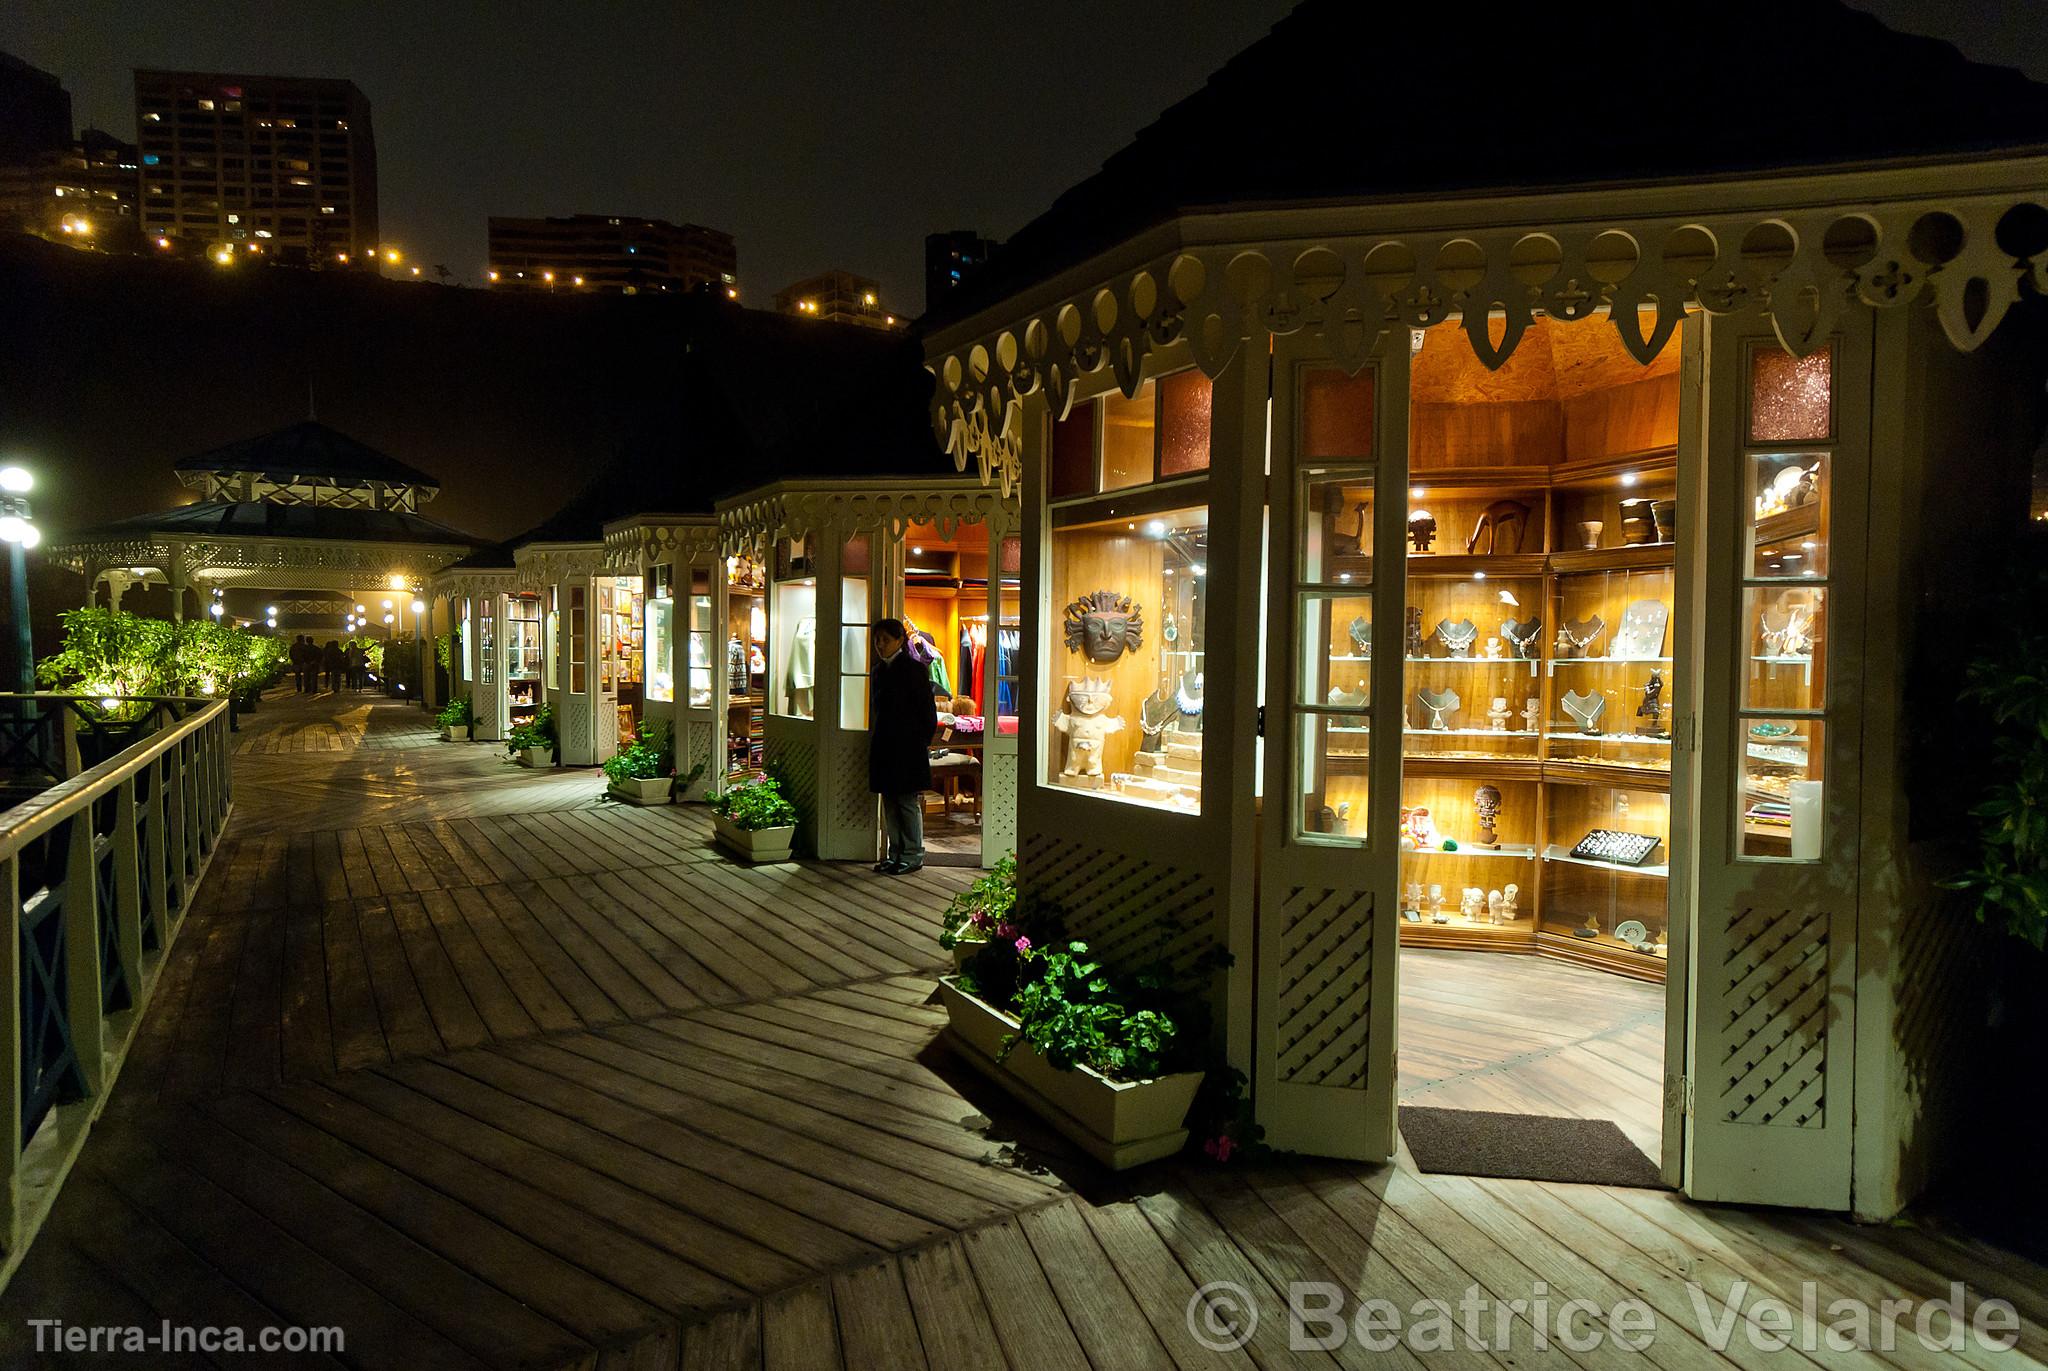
(1351, 445)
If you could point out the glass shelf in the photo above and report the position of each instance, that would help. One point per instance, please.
(1521, 852)
(1471, 732)
(1556, 853)
(1646, 739)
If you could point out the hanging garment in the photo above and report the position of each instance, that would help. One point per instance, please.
(1007, 641)
(803, 647)
(966, 660)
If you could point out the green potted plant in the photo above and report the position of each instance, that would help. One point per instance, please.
(643, 771)
(976, 912)
(754, 820)
(1101, 1058)
(457, 713)
(533, 742)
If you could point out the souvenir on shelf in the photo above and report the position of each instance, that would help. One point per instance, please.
(1440, 704)
(1501, 522)
(1641, 635)
(1103, 625)
(1612, 845)
(1509, 893)
(1412, 637)
(1789, 489)
(1087, 724)
(1576, 636)
(1638, 524)
(1524, 636)
(1665, 512)
(1458, 637)
(1155, 712)
(1486, 800)
(1498, 714)
(1589, 534)
(1532, 713)
(1585, 709)
(1791, 636)
(1360, 633)
(1493, 906)
(1473, 901)
(1421, 530)
(1651, 710)
(1632, 932)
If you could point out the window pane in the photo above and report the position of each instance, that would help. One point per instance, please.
(1073, 454)
(1791, 399)
(1184, 402)
(1332, 767)
(1336, 413)
(661, 632)
(700, 651)
(1779, 806)
(1787, 647)
(1789, 509)
(794, 624)
(853, 702)
(1127, 433)
(1336, 529)
(1336, 650)
(1126, 644)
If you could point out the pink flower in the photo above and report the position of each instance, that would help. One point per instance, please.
(1023, 945)
(979, 919)
(1004, 932)
(1219, 1147)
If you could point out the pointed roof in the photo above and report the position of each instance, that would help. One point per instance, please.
(1345, 101)
(217, 519)
(309, 448)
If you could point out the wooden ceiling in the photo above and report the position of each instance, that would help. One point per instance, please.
(1554, 361)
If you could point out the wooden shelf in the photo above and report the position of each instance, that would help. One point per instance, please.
(1483, 768)
(1519, 936)
(1611, 774)
(1639, 557)
(1512, 480)
(1800, 522)
(1599, 473)
(1458, 566)
(1601, 955)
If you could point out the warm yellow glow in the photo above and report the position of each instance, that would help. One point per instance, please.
(224, 255)
(732, 292)
(391, 256)
(415, 271)
(548, 276)
(868, 299)
(163, 242)
(397, 583)
(578, 280)
(341, 257)
(494, 276)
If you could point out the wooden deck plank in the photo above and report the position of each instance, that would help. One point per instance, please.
(876, 1324)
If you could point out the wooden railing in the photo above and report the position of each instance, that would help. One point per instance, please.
(96, 875)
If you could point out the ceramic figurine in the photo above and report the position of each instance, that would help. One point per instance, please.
(1421, 530)
(1436, 904)
(1343, 818)
(1589, 534)
(1412, 640)
(1422, 829)
(1411, 897)
(1509, 893)
(1493, 906)
(1493, 649)
(1499, 715)
(1087, 726)
(1486, 800)
(1531, 712)
(1469, 906)
(1501, 522)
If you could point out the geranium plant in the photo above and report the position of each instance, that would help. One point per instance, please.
(536, 733)
(754, 805)
(977, 912)
(457, 713)
(650, 754)
(1070, 1009)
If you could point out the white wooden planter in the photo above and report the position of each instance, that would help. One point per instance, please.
(1119, 1123)
(965, 948)
(535, 756)
(643, 790)
(447, 733)
(754, 844)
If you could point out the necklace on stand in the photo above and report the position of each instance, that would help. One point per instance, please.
(1574, 637)
(1458, 637)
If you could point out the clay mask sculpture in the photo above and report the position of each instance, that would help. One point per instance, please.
(1103, 625)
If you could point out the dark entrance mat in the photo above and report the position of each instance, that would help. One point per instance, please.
(1527, 1147)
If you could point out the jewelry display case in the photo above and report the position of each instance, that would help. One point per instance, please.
(1539, 653)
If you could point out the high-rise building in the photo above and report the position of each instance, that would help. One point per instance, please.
(611, 252)
(283, 165)
(951, 261)
(35, 112)
(90, 193)
(842, 296)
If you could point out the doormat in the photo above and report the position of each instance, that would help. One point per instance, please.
(1525, 1147)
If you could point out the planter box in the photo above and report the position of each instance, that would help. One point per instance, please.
(965, 948)
(447, 734)
(754, 844)
(643, 790)
(535, 756)
(1119, 1123)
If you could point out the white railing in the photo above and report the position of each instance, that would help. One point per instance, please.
(97, 873)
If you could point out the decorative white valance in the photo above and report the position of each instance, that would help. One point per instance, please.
(843, 510)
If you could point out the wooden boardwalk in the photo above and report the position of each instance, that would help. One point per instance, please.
(488, 1073)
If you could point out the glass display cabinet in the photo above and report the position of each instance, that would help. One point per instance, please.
(744, 658)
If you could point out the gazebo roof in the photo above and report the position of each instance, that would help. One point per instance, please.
(1347, 102)
(309, 449)
(216, 519)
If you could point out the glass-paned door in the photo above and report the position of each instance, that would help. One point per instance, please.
(1781, 628)
(1327, 979)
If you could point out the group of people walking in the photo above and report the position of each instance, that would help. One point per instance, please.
(337, 666)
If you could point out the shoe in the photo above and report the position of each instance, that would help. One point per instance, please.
(888, 868)
(902, 869)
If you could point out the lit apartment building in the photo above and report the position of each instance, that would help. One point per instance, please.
(842, 296)
(609, 252)
(262, 164)
(951, 260)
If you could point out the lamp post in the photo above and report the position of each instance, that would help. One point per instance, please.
(20, 534)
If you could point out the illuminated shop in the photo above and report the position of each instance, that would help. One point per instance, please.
(1522, 579)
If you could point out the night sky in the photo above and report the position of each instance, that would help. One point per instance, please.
(820, 135)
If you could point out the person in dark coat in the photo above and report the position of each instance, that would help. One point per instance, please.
(901, 721)
(334, 663)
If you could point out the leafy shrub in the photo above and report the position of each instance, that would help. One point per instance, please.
(457, 713)
(649, 755)
(753, 805)
(537, 732)
(1074, 1014)
(110, 656)
(986, 905)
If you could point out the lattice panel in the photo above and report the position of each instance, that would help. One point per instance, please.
(1774, 1018)
(794, 762)
(999, 802)
(697, 746)
(1324, 984)
(572, 715)
(853, 806)
(1128, 910)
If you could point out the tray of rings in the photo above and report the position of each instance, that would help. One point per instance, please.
(1612, 845)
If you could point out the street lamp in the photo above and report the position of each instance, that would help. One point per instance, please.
(19, 532)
